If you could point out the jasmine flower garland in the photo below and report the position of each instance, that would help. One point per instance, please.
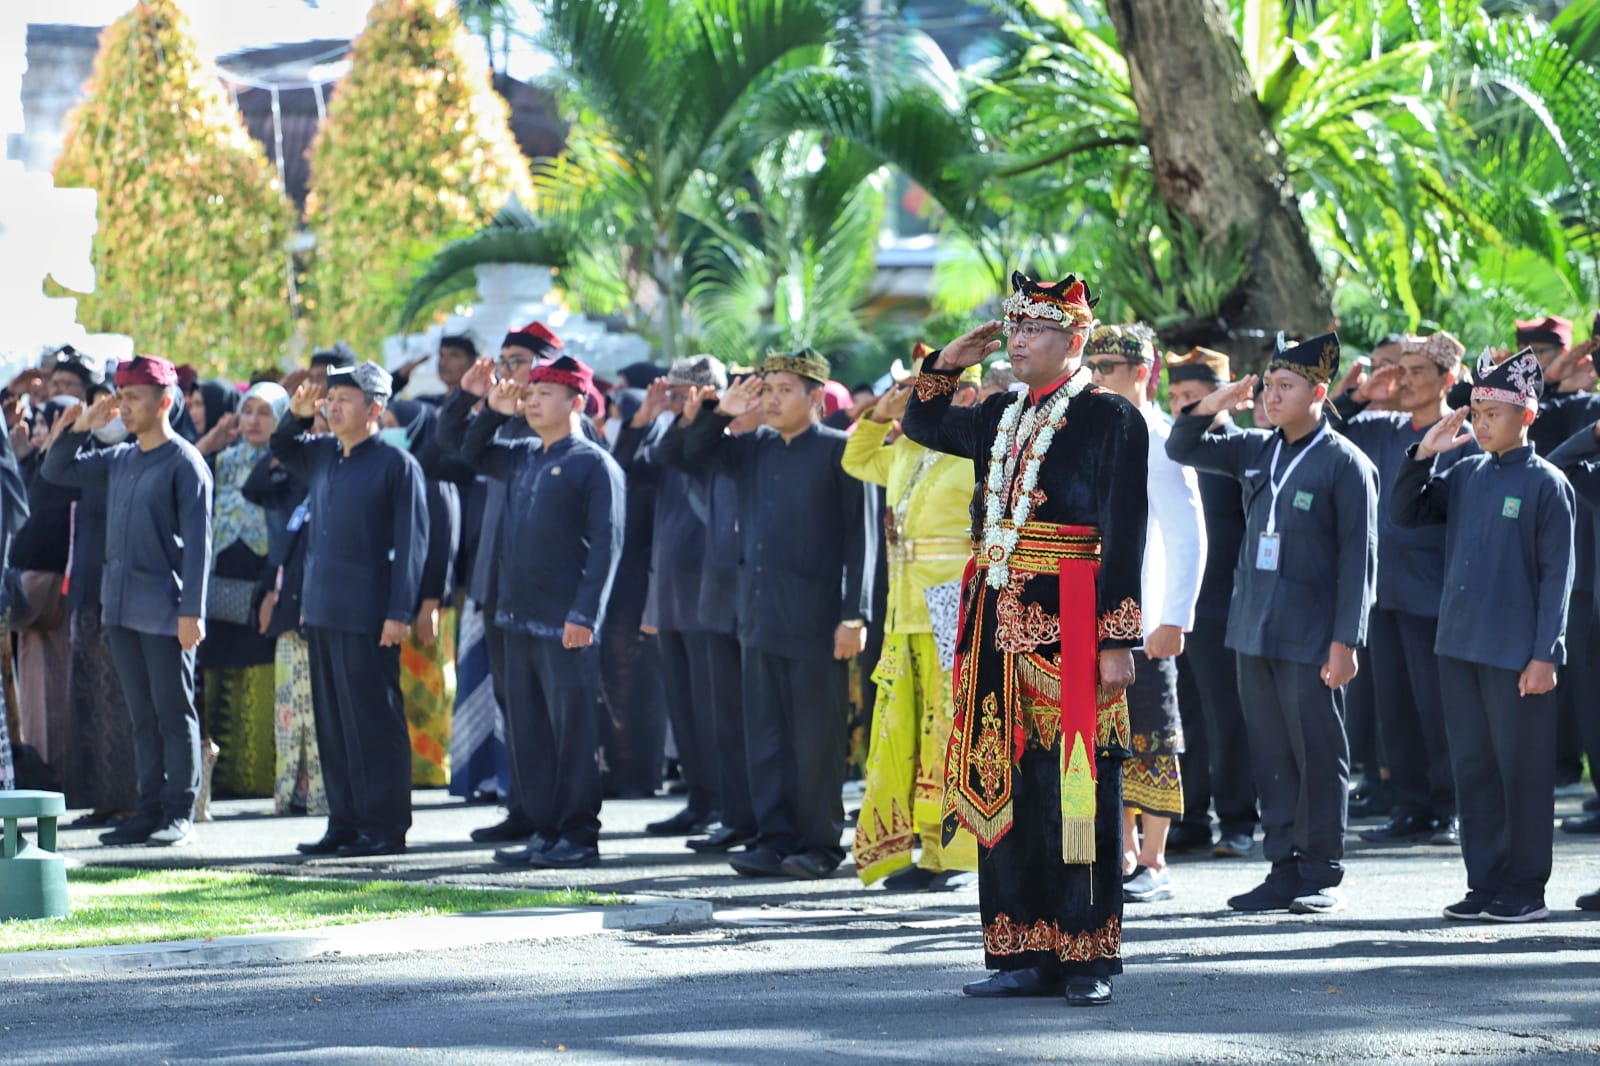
(1037, 425)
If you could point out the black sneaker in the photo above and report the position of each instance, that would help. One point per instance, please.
(135, 830)
(1469, 908)
(1276, 893)
(1589, 901)
(1502, 910)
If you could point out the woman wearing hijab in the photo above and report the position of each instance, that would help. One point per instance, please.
(213, 406)
(44, 648)
(236, 660)
(299, 789)
(427, 656)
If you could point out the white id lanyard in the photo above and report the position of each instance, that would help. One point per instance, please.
(1267, 547)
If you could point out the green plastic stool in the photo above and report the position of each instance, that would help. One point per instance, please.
(33, 878)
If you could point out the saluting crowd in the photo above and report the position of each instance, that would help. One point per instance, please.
(1061, 570)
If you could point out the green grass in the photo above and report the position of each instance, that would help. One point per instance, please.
(111, 905)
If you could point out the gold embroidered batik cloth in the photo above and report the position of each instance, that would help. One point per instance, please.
(1011, 646)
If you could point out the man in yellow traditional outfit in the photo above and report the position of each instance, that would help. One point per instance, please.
(928, 533)
(1050, 613)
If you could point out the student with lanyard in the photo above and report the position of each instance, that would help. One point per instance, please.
(1305, 586)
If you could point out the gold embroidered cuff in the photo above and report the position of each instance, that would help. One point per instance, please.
(1125, 622)
(931, 385)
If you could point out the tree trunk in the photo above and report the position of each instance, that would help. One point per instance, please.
(1217, 162)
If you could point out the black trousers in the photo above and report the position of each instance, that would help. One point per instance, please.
(554, 716)
(691, 712)
(631, 682)
(1503, 748)
(1410, 710)
(1216, 755)
(1362, 727)
(361, 732)
(494, 641)
(795, 711)
(1302, 765)
(1578, 693)
(158, 683)
(724, 673)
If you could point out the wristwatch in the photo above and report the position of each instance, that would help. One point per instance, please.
(854, 623)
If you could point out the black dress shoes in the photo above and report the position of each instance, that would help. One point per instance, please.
(1372, 800)
(1448, 835)
(1583, 823)
(758, 862)
(682, 824)
(722, 838)
(523, 854)
(366, 845)
(330, 843)
(808, 866)
(513, 828)
(1032, 981)
(911, 879)
(565, 855)
(1402, 829)
(1088, 991)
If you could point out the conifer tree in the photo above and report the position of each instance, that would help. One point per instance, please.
(191, 255)
(416, 151)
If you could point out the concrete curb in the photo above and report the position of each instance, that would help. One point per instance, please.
(390, 937)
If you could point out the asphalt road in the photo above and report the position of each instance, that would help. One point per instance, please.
(826, 971)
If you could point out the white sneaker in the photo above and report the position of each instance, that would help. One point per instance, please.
(1324, 901)
(1148, 886)
(175, 832)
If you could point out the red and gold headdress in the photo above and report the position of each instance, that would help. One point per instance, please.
(1067, 301)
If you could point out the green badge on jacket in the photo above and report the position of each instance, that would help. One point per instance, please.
(1302, 500)
(1511, 508)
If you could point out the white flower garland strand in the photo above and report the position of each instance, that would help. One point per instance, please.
(1038, 426)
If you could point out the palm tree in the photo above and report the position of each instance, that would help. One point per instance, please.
(679, 102)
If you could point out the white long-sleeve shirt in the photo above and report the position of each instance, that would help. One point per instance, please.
(1175, 535)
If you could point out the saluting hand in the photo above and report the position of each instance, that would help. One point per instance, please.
(97, 415)
(505, 398)
(478, 378)
(1445, 435)
(306, 399)
(656, 401)
(1537, 678)
(891, 405)
(698, 395)
(972, 347)
(742, 397)
(219, 436)
(1235, 396)
(1379, 386)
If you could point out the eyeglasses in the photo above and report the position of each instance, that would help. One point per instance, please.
(1105, 367)
(1032, 329)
